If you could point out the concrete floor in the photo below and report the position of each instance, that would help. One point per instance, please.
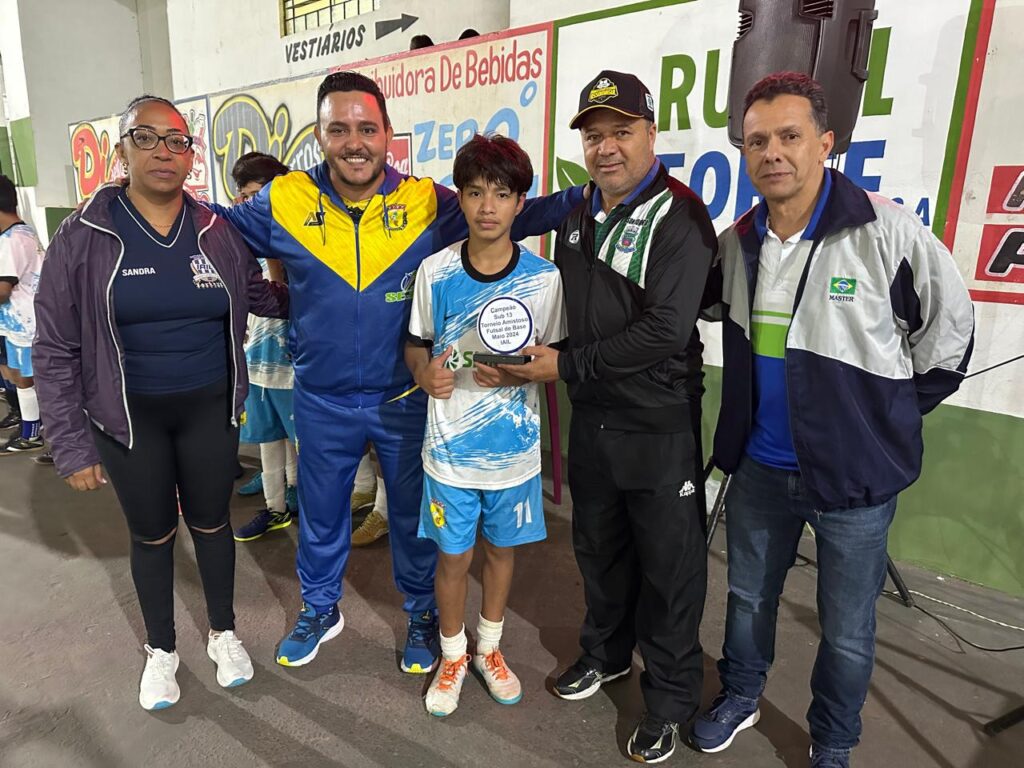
(71, 637)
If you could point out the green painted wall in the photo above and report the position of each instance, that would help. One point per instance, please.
(965, 516)
(24, 152)
(54, 217)
(6, 161)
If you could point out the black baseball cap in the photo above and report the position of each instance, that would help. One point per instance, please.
(615, 90)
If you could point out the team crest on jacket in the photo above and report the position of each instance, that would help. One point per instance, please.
(203, 273)
(627, 243)
(315, 219)
(396, 216)
(405, 289)
(842, 288)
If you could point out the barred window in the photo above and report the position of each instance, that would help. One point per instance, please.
(300, 15)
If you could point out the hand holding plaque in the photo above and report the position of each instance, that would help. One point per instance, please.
(505, 326)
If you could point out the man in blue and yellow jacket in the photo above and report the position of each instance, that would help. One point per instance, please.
(351, 233)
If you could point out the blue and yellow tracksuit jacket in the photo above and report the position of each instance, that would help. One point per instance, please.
(351, 275)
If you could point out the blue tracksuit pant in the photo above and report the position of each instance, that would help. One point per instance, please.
(331, 441)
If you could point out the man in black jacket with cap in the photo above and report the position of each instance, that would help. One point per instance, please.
(634, 260)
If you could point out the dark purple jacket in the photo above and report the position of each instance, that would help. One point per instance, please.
(77, 354)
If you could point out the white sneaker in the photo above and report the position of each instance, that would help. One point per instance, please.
(159, 689)
(443, 694)
(234, 667)
(502, 683)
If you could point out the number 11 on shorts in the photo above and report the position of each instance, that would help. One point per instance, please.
(520, 508)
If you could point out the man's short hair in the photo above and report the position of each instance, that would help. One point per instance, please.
(420, 41)
(138, 101)
(8, 196)
(496, 160)
(344, 82)
(791, 84)
(256, 166)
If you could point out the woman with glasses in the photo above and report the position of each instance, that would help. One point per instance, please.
(141, 315)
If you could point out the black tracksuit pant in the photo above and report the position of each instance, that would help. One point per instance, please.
(184, 448)
(638, 535)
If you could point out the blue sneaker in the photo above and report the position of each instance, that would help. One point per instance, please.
(311, 630)
(291, 500)
(715, 729)
(422, 646)
(822, 758)
(254, 486)
(265, 521)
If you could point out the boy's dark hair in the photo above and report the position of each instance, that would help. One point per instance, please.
(256, 166)
(343, 82)
(497, 160)
(126, 116)
(791, 84)
(468, 33)
(8, 196)
(420, 41)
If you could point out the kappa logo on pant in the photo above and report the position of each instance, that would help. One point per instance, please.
(688, 489)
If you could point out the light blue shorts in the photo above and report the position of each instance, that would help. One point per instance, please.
(19, 358)
(269, 415)
(511, 516)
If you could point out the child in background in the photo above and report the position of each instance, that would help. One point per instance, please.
(268, 408)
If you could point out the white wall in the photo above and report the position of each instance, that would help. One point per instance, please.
(524, 12)
(80, 59)
(218, 45)
(15, 87)
(155, 47)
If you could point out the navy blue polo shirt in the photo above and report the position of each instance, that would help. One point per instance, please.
(170, 306)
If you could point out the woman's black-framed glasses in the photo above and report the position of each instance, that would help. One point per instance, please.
(144, 138)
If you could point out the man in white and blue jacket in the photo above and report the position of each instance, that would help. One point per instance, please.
(845, 320)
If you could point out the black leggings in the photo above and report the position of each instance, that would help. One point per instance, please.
(185, 442)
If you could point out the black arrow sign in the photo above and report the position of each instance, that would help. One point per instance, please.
(390, 25)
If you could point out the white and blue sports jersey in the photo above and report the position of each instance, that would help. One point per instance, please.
(266, 350)
(21, 259)
(483, 438)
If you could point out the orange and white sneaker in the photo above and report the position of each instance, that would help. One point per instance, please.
(502, 683)
(443, 694)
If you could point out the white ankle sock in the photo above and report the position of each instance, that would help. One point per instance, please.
(364, 475)
(272, 459)
(380, 504)
(488, 635)
(454, 648)
(29, 404)
(291, 464)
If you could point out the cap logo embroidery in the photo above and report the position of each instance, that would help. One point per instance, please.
(603, 90)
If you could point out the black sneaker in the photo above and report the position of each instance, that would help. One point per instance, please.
(265, 521)
(653, 740)
(44, 458)
(11, 420)
(580, 681)
(19, 444)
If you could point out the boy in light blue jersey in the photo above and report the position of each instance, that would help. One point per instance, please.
(269, 420)
(481, 453)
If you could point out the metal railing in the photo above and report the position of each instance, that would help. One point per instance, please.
(301, 15)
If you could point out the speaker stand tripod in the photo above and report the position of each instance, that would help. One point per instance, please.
(716, 515)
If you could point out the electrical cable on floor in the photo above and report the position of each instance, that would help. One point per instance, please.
(952, 631)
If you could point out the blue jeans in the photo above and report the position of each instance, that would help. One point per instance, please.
(766, 510)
